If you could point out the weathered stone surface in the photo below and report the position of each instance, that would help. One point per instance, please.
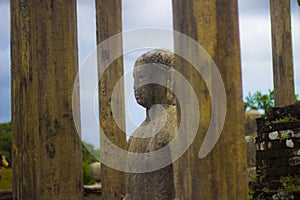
(277, 126)
(251, 133)
(109, 23)
(274, 135)
(156, 185)
(250, 122)
(46, 148)
(279, 130)
(251, 150)
(95, 171)
(282, 53)
(251, 174)
(294, 161)
(289, 143)
(283, 195)
(153, 65)
(92, 192)
(222, 173)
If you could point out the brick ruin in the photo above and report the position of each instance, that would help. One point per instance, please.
(278, 154)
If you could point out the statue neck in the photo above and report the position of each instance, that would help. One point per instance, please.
(157, 111)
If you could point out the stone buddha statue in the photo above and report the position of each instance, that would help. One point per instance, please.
(152, 70)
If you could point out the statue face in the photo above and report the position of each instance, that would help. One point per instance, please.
(151, 75)
(151, 93)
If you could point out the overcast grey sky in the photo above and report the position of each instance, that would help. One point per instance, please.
(255, 34)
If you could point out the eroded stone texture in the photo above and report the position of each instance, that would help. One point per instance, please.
(46, 148)
(95, 171)
(250, 135)
(251, 150)
(250, 122)
(222, 173)
(282, 53)
(158, 128)
(109, 23)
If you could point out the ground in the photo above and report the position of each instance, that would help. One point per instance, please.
(6, 179)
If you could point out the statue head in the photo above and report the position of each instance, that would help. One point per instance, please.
(155, 67)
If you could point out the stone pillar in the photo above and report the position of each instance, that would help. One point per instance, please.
(47, 162)
(109, 23)
(283, 72)
(222, 173)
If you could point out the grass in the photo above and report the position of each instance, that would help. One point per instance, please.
(6, 179)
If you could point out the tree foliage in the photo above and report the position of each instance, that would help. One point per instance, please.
(262, 102)
(89, 155)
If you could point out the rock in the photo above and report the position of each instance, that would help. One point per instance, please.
(296, 152)
(282, 195)
(251, 151)
(294, 161)
(250, 122)
(251, 174)
(274, 135)
(289, 143)
(95, 171)
(250, 132)
(297, 135)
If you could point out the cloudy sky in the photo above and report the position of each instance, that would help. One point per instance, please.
(254, 18)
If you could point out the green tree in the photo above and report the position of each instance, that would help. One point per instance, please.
(262, 102)
(259, 101)
(89, 155)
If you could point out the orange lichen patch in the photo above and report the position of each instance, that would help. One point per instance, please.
(4, 162)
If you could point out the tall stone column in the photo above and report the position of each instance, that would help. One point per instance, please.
(283, 72)
(46, 148)
(109, 23)
(222, 173)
